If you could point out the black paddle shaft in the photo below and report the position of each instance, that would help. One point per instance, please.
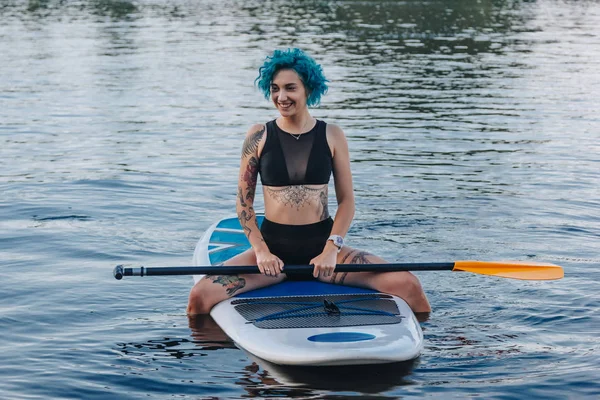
(120, 271)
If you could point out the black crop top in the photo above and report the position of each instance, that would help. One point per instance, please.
(286, 161)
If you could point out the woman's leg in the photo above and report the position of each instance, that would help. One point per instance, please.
(402, 283)
(213, 289)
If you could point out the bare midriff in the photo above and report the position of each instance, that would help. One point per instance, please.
(296, 204)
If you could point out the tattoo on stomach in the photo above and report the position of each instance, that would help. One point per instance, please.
(299, 196)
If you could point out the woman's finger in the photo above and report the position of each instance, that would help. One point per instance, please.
(264, 268)
(273, 269)
(316, 271)
(330, 270)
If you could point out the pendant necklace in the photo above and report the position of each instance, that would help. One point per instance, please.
(297, 136)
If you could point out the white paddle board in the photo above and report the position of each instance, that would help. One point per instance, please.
(309, 323)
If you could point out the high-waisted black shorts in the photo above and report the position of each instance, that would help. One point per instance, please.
(296, 244)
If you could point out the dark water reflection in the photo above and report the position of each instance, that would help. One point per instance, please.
(473, 134)
(267, 379)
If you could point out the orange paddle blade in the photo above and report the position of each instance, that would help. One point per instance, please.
(512, 269)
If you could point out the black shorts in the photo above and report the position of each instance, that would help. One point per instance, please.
(296, 244)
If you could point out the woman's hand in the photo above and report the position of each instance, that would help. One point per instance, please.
(324, 263)
(268, 263)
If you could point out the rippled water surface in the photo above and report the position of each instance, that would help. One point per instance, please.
(474, 133)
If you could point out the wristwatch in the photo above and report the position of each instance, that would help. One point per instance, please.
(338, 241)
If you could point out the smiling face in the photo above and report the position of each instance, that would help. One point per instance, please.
(288, 93)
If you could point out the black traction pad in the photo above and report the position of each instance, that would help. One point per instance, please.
(326, 311)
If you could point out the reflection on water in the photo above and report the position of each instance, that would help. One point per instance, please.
(264, 378)
(378, 378)
(257, 377)
(205, 336)
(472, 127)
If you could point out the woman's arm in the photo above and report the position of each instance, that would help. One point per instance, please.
(247, 185)
(344, 191)
(267, 262)
(342, 177)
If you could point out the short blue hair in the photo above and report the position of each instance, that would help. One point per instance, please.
(309, 71)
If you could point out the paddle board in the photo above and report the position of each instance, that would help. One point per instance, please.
(309, 323)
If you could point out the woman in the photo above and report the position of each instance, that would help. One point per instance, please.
(295, 156)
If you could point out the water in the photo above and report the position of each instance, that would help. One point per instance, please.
(473, 129)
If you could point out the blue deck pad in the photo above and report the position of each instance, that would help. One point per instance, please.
(225, 253)
(234, 223)
(303, 288)
(230, 242)
(234, 237)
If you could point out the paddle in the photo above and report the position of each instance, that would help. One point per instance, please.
(504, 269)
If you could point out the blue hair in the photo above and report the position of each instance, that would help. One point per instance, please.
(309, 71)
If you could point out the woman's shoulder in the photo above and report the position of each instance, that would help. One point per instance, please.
(256, 130)
(336, 139)
(334, 132)
(260, 127)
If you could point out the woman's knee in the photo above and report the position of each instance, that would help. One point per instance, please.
(402, 282)
(200, 301)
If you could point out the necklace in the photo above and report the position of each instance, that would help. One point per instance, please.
(297, 136)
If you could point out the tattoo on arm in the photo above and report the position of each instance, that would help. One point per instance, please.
(231, 283)
(250, 178)
(241, 197)
(250, 146)
(247, 185)
(245, 217)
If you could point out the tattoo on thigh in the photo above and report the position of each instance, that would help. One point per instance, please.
(361, 258)
(231, 283)
(342, 277)
(358, 257)
(347, 255)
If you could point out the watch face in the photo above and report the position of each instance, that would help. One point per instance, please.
(338, 241)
